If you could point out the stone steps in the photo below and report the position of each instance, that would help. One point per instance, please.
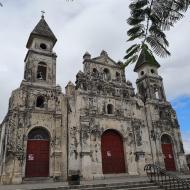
(127, 183)
(132, 185)
(37, 180)
(119, 186)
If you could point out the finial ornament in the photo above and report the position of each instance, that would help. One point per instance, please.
(43, 12)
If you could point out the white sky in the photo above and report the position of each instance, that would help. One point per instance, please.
(80, 26)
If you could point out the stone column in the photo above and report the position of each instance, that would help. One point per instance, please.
(57, 152)
(96, 156)
(57, 164)
(129, 151)
(17, 174)
(140, 159)
(86, 171)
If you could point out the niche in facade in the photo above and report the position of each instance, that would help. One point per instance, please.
(118, 76)
(41, 71)
(40, 102)
(106, 75)
(152, 71)
(110, 109)
(95, 72)
(161, 114)
(156, 92)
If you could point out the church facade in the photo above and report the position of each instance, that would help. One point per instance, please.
(99, 126)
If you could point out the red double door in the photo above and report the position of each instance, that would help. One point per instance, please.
(112, 153)
(168, 157)
(37, 160)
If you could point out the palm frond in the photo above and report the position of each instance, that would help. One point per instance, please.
(149, 20)
(158, 48)
(130, 48)
(169, 11)
(158, 33)
(140, 36)
(138, 4)
(135, 30)
(134, 21)
(133, 59)
(138, 13)
(132, 52)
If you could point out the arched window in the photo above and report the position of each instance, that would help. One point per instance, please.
(40, 102)
(41, 71)
(106, 74)
(38, 134)
(110, 109)
(118, 76)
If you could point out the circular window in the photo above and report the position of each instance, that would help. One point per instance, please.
(152, 71)
(142, 72)
(43, 46)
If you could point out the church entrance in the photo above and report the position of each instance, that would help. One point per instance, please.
(168, 153)
(37, 160)
(112, 153)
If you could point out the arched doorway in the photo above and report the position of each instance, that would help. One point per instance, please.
(112, 153)
(37, 160)
(167, 151)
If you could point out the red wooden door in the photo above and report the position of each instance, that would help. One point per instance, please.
(168, 157)
(112, 153)
(37, 161)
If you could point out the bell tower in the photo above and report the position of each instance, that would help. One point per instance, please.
(40, 61)
(149, 82)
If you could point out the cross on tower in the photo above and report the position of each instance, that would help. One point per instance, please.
(43, 12)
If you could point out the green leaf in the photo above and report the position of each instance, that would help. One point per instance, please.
(134, 21)
(135, 30)
(138, 13)
(157, 31)
(140, 35)
(130, 48)
(131, 60)
(138, 4)
(157, 46)
(155, 18)
(133, 51)
(169, 11)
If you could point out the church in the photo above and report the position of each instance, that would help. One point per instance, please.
(99, 126)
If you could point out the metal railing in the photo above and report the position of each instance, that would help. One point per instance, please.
(164, 179)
